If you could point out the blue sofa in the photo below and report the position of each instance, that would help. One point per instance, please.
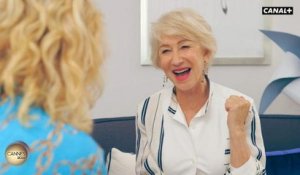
(281, 135)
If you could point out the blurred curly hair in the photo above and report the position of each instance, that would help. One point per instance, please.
(50, 54)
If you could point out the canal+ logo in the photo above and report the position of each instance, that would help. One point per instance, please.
(277, 10)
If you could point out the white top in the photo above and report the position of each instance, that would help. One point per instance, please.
(166, 145)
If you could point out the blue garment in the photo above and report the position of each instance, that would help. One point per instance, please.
(61, 150)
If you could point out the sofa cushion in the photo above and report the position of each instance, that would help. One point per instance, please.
(119, 162)
(116, 132)
(280, 132)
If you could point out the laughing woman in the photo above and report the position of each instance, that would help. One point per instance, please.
(197, 127)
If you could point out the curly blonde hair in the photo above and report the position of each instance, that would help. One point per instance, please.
(50, 54)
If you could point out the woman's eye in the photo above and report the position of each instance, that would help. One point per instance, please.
(185, 46)
(165, 51)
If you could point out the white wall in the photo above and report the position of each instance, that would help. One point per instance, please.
(127, 82)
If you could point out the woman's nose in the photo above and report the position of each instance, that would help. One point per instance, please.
(176, 59)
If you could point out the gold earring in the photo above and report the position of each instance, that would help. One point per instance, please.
(205, 68)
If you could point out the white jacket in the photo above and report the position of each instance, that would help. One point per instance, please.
(158, 113)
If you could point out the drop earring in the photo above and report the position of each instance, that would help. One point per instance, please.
(205, 71)
(165, 81)
(205, 68)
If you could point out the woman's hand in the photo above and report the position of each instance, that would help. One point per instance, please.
(238, 110)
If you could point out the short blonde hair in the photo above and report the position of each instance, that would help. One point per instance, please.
(185, 23)
(51, 52)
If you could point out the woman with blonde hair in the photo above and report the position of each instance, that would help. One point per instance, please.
(50, 57)
(196, 127)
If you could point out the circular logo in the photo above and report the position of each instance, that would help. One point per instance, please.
(16, 153)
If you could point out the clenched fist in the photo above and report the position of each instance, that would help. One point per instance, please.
(238, 110)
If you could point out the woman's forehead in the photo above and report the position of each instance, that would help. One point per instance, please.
(173, 39)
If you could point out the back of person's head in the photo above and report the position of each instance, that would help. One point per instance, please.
(50, 54)
(185, 23)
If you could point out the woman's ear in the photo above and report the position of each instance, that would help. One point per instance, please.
(206, 55)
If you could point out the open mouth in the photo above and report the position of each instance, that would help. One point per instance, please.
(182, 72)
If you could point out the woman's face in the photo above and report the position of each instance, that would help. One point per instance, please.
(182, 61)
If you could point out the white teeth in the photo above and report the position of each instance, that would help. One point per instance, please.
(181, 71)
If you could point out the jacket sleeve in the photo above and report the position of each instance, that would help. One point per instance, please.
(257, 161)
(145, 161)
